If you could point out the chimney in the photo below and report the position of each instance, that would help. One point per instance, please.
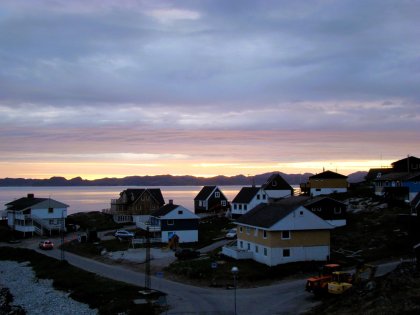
(31, 196)
(171, 202)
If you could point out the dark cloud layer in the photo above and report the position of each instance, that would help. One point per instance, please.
(292, 66)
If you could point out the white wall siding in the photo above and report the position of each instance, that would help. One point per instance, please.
(184, 236)
(318, 253)
(278, 193)
(327, 191)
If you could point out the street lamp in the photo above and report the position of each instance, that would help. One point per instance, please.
(234, 271)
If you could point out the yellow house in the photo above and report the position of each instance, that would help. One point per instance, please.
(280, 233)
(326, 183)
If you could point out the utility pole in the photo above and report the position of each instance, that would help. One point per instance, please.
(147, 277)
(62, 235)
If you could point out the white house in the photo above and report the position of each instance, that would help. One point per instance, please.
(246, 199)
(171, 220)
(42, 216)
(276, 187)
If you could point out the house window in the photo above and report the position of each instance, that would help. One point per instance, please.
(256, 248)
(204, 203)
(247, 229)
(265, 251)
(50, 210)
(240, 207)
(170, 222)
(240, 229)
(285, 235)
(249, 246)
(200, 203)
(264, 234)
(264, 196)
(301, 213)
(217, 194)
(245, 207)
(337, 210)
(180, 212)
(286, 252)
(318, 189)
(223, 203)
(241, 244)
(235, 206)
(258, 197)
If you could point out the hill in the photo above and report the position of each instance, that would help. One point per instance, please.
(165, 180)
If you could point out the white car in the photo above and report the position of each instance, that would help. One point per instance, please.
(231, 234)
(123, 234)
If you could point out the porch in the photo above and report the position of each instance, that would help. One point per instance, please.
(232, 250)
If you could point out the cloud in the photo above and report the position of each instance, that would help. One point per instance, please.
(209, 81)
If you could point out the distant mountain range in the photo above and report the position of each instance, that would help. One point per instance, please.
(167, 180)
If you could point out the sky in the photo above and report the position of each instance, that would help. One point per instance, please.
(119, 88)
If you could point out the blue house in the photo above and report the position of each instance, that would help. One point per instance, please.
(210, 199)
(401, 182)
(172, 219)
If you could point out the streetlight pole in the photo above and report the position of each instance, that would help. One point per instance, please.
(234, 271)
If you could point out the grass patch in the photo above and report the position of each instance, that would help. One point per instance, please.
(212, 228)
(94, 220)
(250, 271)
(108, 296)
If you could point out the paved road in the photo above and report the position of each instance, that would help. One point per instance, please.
(286, 297)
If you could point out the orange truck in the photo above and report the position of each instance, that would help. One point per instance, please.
(319, 284)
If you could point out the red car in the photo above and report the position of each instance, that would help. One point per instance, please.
(46, 245)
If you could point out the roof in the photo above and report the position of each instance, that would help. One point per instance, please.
(162, 211)
(155, 192)
(205, 192)
(403, 176)
(375, 172)
(28, 202)
(405, 161)
(327, 175)
(265, 215)
(276, 182)
(246, 194)
(23, 203)
(317, 199)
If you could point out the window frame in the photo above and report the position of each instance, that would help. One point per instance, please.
(283, 237)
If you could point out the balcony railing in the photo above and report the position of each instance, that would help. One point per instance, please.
(145, 225)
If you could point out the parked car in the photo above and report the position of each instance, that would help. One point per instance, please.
(187, 253)
(123, 234)
(46, 245)
(231, 234)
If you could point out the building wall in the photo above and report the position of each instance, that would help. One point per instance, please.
(179, 224)
(184, 236)
(326, 191)
(273, 256)
(274, 238)
(328, 183)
